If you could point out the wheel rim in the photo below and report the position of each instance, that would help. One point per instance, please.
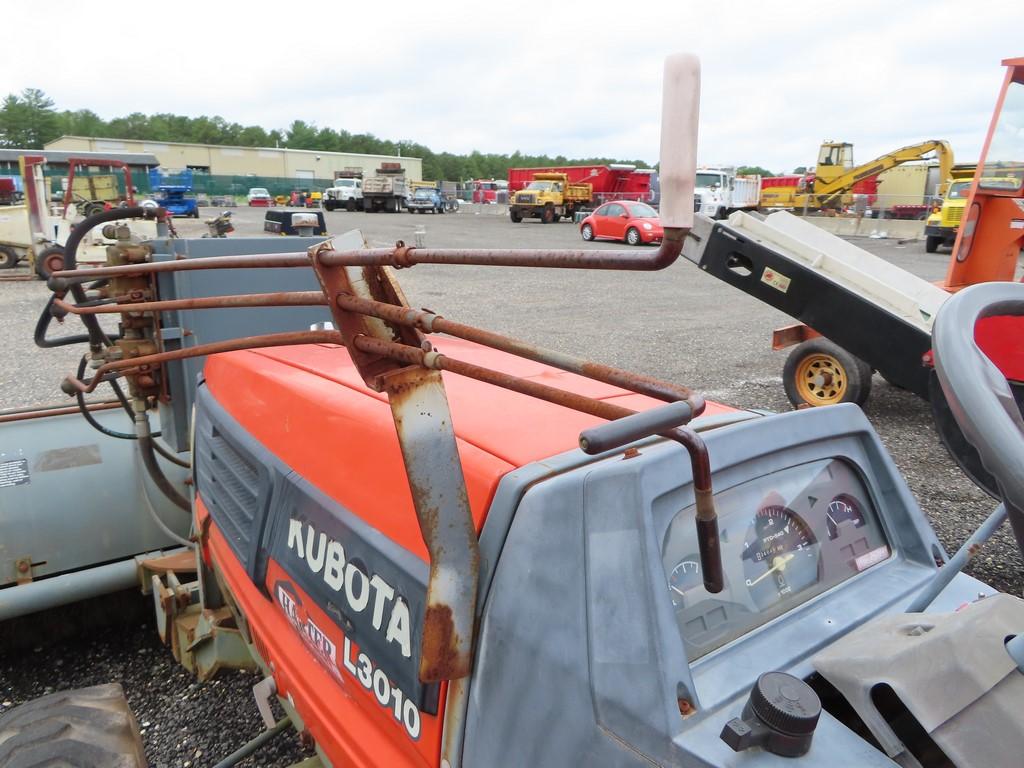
(821, 380)
(53, 263)
(633, 237)
(588, 233)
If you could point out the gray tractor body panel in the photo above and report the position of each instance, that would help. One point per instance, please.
(580, 657)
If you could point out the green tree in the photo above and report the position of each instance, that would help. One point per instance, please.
(800, 169)
(29, 120)
(753, 170)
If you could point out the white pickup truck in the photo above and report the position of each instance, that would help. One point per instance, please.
(346, 193)
(721, 192)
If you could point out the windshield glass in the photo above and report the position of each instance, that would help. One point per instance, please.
(1004, 163)
(707, 179)
(539, 185)
(422, 193)
(642, 211)
(958, 190)
(344, 182)
(258, 191)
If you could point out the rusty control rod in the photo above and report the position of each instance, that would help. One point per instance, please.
(71, 383)
(126, 305)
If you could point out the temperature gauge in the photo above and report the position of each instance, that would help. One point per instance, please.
(842, 509)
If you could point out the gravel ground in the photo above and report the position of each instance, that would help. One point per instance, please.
(679, 324)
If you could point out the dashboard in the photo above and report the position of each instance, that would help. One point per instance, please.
(785, 537)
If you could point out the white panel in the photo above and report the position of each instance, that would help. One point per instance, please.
(304, 174)
(229, 152)
(109, 146)
(270, 153)
(155, 148)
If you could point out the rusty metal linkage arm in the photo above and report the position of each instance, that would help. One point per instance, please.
(291, 338)
(126, 305)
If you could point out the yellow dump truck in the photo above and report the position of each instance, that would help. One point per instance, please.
(942, 225)
(549, 197)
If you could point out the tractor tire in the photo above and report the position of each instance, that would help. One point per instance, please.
(633, 236)
(932, 243)
(92, 209)
(548, 216)
(587, 232)
(8, 257)
(516, 216)
(819, 372)
(50, 260)
(86, 728)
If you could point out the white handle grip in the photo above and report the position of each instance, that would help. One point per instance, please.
(680, 108)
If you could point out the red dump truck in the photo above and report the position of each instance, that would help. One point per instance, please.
(609, 182)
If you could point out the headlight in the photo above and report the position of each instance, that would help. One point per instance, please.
(647, 225)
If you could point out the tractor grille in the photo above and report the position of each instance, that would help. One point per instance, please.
(527, 199)
(234, 485)
(953, 215)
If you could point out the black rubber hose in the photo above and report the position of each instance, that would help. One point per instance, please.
(43, 324)
(153, 468)
(80, 398)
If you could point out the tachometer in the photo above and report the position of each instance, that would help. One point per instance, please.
(780, 555)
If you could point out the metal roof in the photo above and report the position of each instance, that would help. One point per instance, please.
(62, 156)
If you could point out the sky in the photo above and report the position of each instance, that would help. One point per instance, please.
(575, 79)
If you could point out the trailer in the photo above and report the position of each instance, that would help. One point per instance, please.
(720, 191)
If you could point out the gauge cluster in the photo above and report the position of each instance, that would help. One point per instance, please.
(785, 538)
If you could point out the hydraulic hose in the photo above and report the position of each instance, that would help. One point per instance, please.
(149, 461)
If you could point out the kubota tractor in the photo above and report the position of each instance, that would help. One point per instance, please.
(446, 547)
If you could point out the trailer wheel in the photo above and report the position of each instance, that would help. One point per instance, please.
(49, 261)
(86, 728)
(819, 372)
(932, 243)
(8, 257)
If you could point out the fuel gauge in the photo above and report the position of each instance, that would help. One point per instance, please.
(685, 576)
(842, 509)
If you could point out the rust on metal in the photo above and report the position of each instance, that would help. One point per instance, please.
(145, 362)
(433, 323)
(440, 643)
(264, 260)
(131, 305)
(789, 335)
(41, 413)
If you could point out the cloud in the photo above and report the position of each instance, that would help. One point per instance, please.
(575, 79)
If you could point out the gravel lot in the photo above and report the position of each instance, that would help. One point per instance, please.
(679, 324)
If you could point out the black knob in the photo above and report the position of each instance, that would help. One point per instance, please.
(780, 717)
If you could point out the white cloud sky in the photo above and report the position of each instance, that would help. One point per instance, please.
(577, 79)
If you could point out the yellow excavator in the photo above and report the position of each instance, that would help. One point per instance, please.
(836, 174)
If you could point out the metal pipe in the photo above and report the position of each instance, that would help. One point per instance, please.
(406, 256)
(70, 383)
(247, 749)
(25, 414)
(432, 323)
(65, 589)
(282, 299)
(437, 361)
(959, 561)
(61, 280)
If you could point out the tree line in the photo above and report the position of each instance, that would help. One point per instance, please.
(29, 120)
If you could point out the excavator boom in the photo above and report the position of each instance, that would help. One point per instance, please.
(826, 191)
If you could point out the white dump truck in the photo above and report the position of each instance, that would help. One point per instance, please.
(346, 194)
(721, 192)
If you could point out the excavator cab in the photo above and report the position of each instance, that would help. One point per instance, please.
(989, 242)
(834, 159)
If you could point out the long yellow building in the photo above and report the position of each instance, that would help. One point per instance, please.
(243, 161)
